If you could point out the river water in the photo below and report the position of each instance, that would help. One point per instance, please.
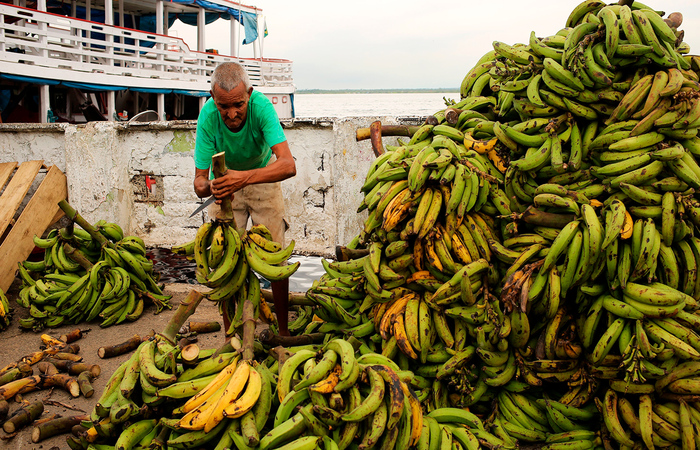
(419, 104)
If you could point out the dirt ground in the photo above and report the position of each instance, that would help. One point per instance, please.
(15, 343)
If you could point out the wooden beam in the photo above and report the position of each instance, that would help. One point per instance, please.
(16, 189)
(6, 170)
(37, 215)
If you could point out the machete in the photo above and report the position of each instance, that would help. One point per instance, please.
(206, 203)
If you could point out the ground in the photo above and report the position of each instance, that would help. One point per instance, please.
(17, 343)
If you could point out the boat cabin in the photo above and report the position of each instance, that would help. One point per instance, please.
(85, 60)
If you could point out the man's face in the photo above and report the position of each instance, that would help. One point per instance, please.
(232, 105)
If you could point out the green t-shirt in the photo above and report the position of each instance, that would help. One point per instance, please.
(246, 149)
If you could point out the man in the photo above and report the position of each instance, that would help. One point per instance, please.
(243, 123)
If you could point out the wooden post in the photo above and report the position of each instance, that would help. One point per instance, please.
(387, 130)
(84, 224)
(218, 164)
(185, 310)
(248, 330)
(375, 134)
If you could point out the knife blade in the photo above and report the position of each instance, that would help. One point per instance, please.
(206, 203)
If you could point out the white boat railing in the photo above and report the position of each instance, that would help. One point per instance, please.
(46, 40)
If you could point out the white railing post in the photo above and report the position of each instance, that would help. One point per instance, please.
(201, 44)
(44, 103)
(159, 30)
(109, 37)
(161, 106)
(111, 105)
(234, 37)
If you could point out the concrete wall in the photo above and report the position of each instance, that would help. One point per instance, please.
(106, 164)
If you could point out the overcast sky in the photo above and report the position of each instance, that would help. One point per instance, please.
(403, 44)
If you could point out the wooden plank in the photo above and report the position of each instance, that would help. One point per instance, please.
(16, 189)
(35, 218)
(59, 214)
(6, 170)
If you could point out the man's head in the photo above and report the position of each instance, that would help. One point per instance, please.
(231, 89)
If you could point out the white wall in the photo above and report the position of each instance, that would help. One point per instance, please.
(100, 160)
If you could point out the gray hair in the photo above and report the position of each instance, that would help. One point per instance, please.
(228, 75)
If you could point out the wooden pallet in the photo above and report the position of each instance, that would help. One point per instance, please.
(41, 211)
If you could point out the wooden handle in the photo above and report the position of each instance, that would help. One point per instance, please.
(218, 164)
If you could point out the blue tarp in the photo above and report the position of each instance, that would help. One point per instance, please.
(99, 87)
(249, 20)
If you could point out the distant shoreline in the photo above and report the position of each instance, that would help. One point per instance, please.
(377, 91)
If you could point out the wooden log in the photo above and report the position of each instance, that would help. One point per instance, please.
(57, 426)
(85, 383)
(375, 136)
(4, 409)
(452, 115)
(184, 310)
(47, 368)
(47, 418)
(67, 356)
(62, 380)
(295, 298)
(248, 340)
(73, 215)
(362, 134)
(119, 349)
(190, 354)
(218, 164)
(75, 368)
(23, 417)
(25, 369)
(77, 256)
(345, 254)
(204, 327)
(267, 337)
(72, 336)
(78, 430)
(8, 368)
(10, 376)
(10, 389)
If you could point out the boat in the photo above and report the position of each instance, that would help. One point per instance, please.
(78, 61)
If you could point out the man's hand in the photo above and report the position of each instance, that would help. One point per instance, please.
(235, 180)
(226, 185)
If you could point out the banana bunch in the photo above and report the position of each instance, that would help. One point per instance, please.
(643, 421)
(80, 279)
(226, 260)
(5, 311)
(522, 417)
(231, 394)
(153, 383)
(332, 401)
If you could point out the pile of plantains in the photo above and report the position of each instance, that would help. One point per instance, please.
(530, 252)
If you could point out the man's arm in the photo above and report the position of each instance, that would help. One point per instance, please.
(201, 183)
(234, 180)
